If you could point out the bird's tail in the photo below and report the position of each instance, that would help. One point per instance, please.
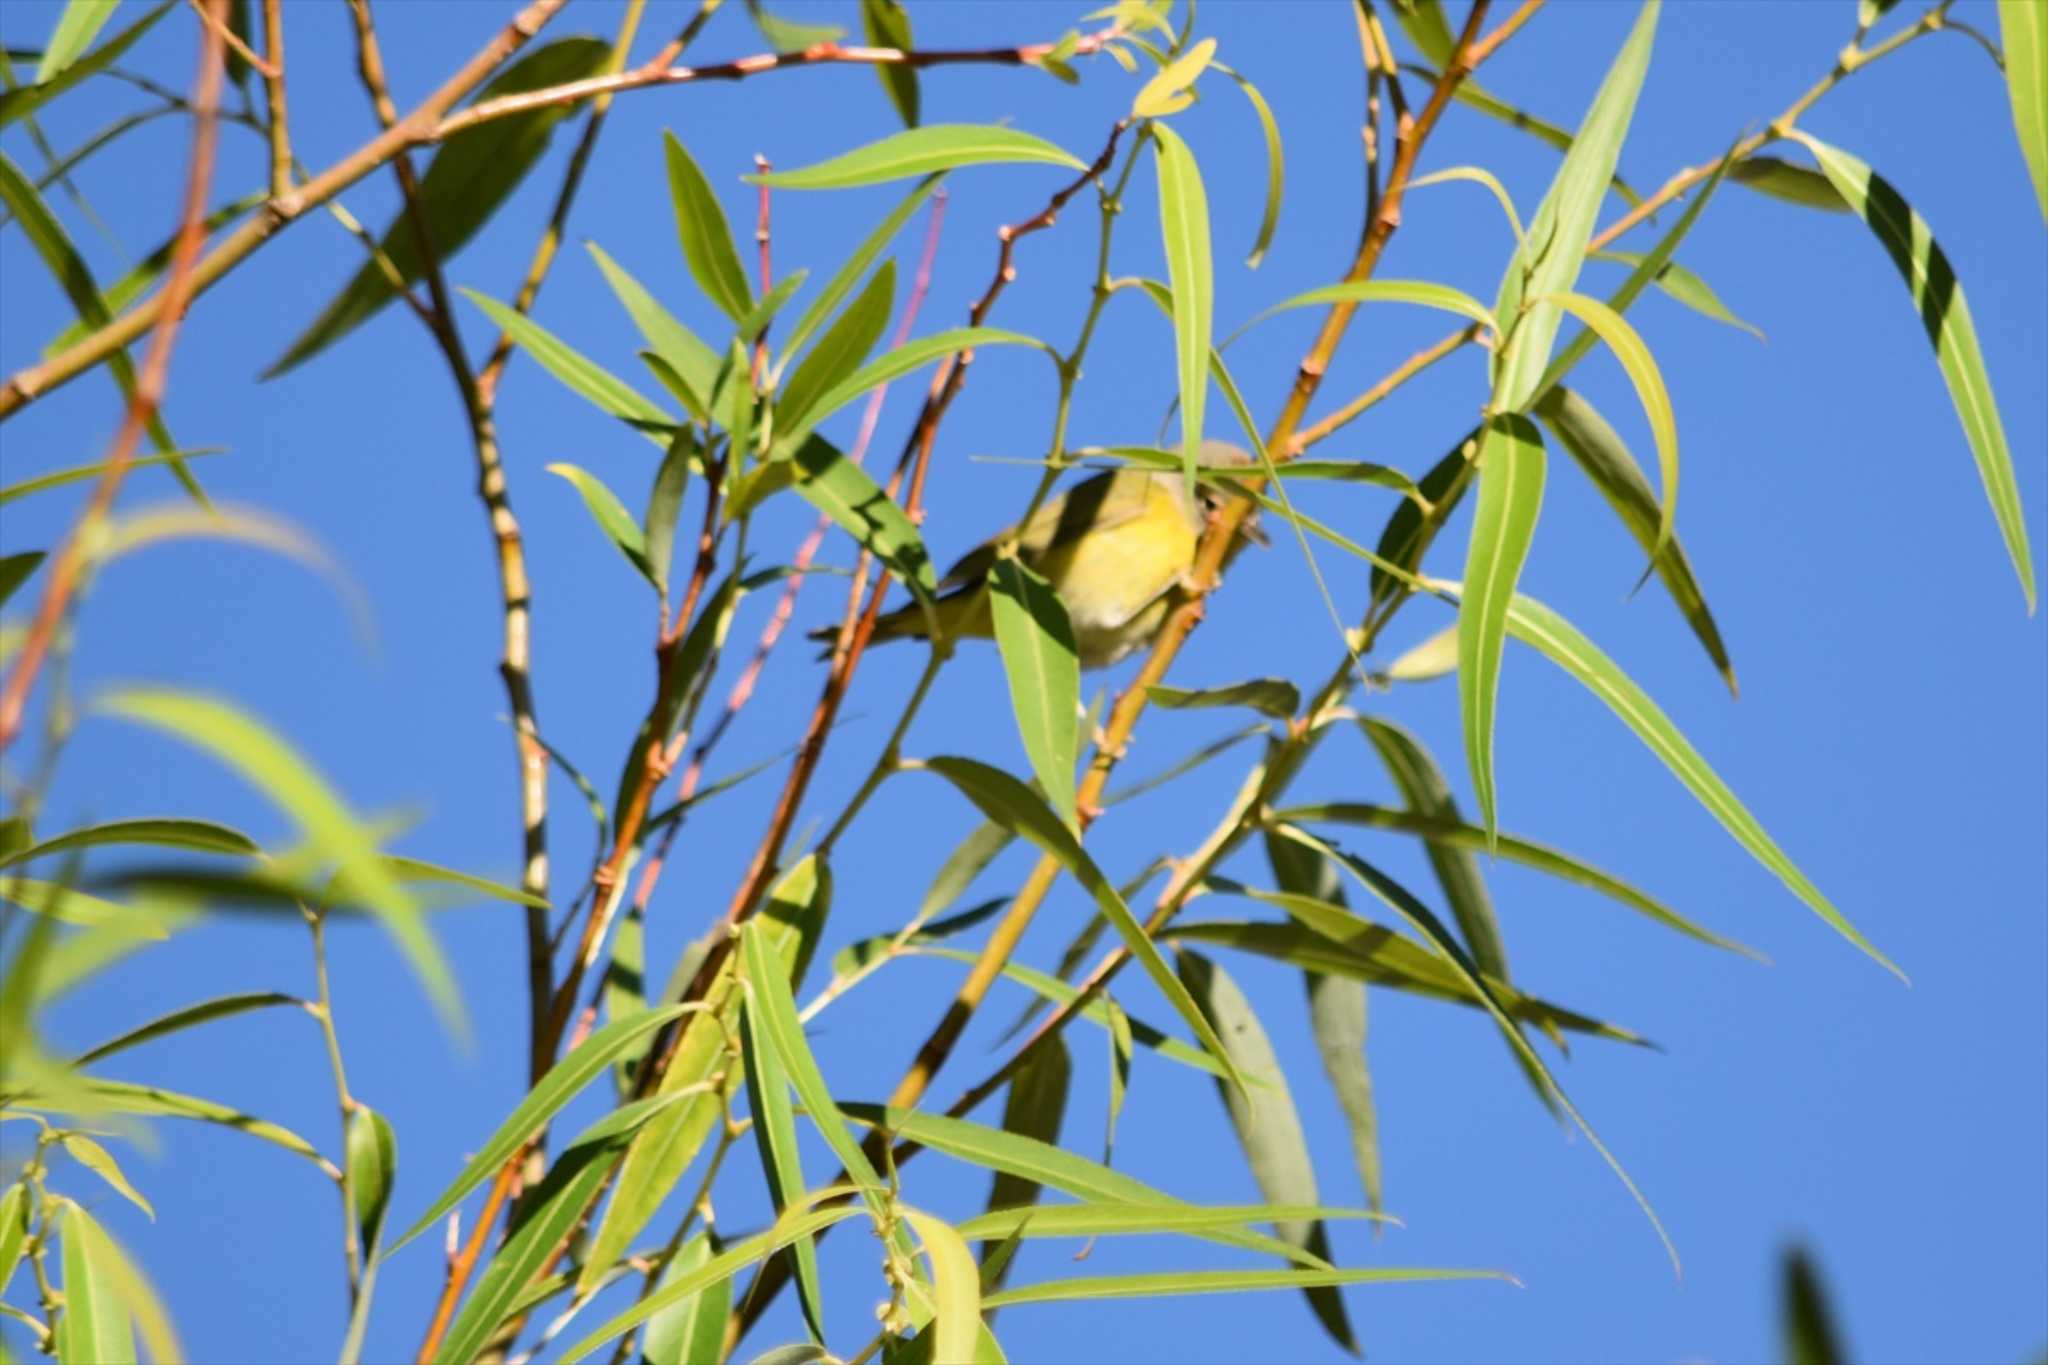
(907, 622)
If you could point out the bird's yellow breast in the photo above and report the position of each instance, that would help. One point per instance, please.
(1111, 574)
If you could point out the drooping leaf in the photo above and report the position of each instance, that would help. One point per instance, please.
(1945, 314)
(1275, 697)
(611, 517)
(563, 1082)
(200, 836)
(1563, 223)
(96, 1095)
(191, 1016)
(1511, 477)
(1007, 801)
(1276, 167)
(1686, 287)
(1422, 293)
(705, 234)
(956, 1289)
(1641, 368)
(470, 176)
(920, 151)
(1426, 792)
(101, 1163)
(885, 23)
(1039, 659)
(2023, 27)
(1033, 1108)
(1606, 460)
(585, 378)
(1184, 231)
(264, 760)
(79, 473)
(1267, 1126)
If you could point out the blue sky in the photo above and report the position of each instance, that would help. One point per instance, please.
(1890, 732)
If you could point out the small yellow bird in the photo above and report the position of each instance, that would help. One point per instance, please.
(1116, 548)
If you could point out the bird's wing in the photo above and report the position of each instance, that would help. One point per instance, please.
(1100, 503)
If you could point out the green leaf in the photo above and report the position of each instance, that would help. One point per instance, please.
(1420, 292)
(1275, 697)
(1945, 314)
(547, 1216)
(95, 1324)
(1125, 1220)
(1276, 167)
(220, 1007)
(77, 26)
(2023, 27)
(149, 271)
(956, 1288)
(563, 1082)
(79, 473)
(13, 1230)
(1044, 1164)
(706, 236)
(775, 1137)
(1642, 371)
(101, 1163)
(664, 504)
(20, 103)
(471, 175)
(841, 349)
(793, 917)
(264, 760)
(1184, 231)
(51, 243)
(849, 495)
(763, 313)
(1446, 832)
(1470, 94)
(95, 1095)
(885, 23)
(1807, 1324)
(1427, 794)
(692, 1329)
(415, 870)
(1206, 1282)
(920, 151)
(1044, 672)
(1535, 624)
(1008, 802)
(890, 365)
(371, 1164)
(850, 270)
(717, 1270)
(15, 571)
(1267, 1126)
(689, 367)
(1688, 288)
(1563, 224)
(1172, 88)
(1793, 184)
(1510, 497)
(1607, 462)
(1033, 1108)
(588, 380)
(611, 517)
(785, 36)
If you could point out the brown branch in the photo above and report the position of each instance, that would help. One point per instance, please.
(147, 397)
(227, 35)
(29, 384)
(1401, 374)
(276, 126)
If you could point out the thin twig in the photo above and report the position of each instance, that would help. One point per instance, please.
(71, 558)
(1401, 374)
(274, 104)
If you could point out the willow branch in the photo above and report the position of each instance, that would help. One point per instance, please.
(1401, 374)
(276, 124)
(149, 388)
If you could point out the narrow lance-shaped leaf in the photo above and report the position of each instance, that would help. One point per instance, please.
(891, 365)
(842, 348)
(1783, 180)
(20, 103)
(885, 23)
(77, 25)
(470, 176)
(705, 234)
(856, 263)
(1806, 1323)
(95, 1324)
(1510, 497)
(849, 495)
(268, 763)
(101, 1163)
(1606, 460)
(1033, 1108)
(689, 367)
(1945, 314)
(1686, 287)
(1044, 672)
(1641, 368)
(587, 379)
(371, 1167)
(98, 1096)
(611, 517)
(775, 1139)
(664, 504)
(2023, 24)
(1275, 697)
(1204, 1283)
(1276, 167)
(1427, 793)
(1422, 293)
(563, 1082)
(920, 151)
(1184, 231)
(956, 1289)
(199, 836)
(1267, 1126)
(693, 1329)
(1563, 225)
(1537, 625)
(1007, 801)
(786, 36)
(14, 1228)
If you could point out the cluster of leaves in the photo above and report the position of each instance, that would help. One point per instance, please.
(721, 1053)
